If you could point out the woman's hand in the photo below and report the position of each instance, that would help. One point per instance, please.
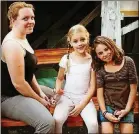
(111, 117)
(76, 111)
(43, 95)
(44, 100)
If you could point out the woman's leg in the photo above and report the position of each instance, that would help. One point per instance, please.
(61, 113)
(47, 90)
(107, 128)
(30, 111)
(89, 115)
(126, 128)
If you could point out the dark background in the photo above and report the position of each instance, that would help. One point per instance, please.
(48, 14)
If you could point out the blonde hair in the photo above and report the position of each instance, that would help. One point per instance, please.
(73, 30)
(14, 10)
(76, 29)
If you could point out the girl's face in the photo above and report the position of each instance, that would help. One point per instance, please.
(25, 21)
(79, 42)
(104, 53)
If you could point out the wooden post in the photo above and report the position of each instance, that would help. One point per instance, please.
(111, 20)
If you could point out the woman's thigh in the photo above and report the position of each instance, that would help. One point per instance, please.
(47, 90)
(25, 109)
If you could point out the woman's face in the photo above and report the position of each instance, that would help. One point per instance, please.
(25, 21)
(104, 53)
(79, 42)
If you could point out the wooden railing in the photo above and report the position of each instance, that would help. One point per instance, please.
(50, 56)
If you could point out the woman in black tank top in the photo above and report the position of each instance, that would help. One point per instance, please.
(7, 87)
(22, 97)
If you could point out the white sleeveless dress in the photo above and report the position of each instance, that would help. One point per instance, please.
(77, 78)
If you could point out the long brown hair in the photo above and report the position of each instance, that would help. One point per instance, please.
(118, 53)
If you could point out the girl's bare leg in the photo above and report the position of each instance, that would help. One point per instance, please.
(107, 127)
(126, 128)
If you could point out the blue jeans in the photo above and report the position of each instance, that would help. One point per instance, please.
(129, 118)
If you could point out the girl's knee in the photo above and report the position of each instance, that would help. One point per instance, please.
(60, 119)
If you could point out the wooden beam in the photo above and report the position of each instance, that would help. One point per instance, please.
(130, 27)
(93, 14)
(50, 56)
(130, 13)
(60, 22)
(129, 8)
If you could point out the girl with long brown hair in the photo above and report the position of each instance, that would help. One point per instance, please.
(116, 85)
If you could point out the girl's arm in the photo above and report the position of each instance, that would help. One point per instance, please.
(14, 57)
(59, 80)
(131, 100)
(133, 80)
(100, 98)
(101, 102)
(91, 90)
(132, 96)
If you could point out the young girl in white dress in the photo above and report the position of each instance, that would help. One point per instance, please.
(79, 87)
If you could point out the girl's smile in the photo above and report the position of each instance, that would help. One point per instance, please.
(79, 42)
(104, 53)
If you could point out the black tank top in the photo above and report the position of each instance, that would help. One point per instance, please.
(7, 88)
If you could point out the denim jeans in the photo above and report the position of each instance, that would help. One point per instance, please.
(129, 118)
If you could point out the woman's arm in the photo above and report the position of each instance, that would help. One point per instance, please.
(35, 85)
(14, 57)
(42, 91)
